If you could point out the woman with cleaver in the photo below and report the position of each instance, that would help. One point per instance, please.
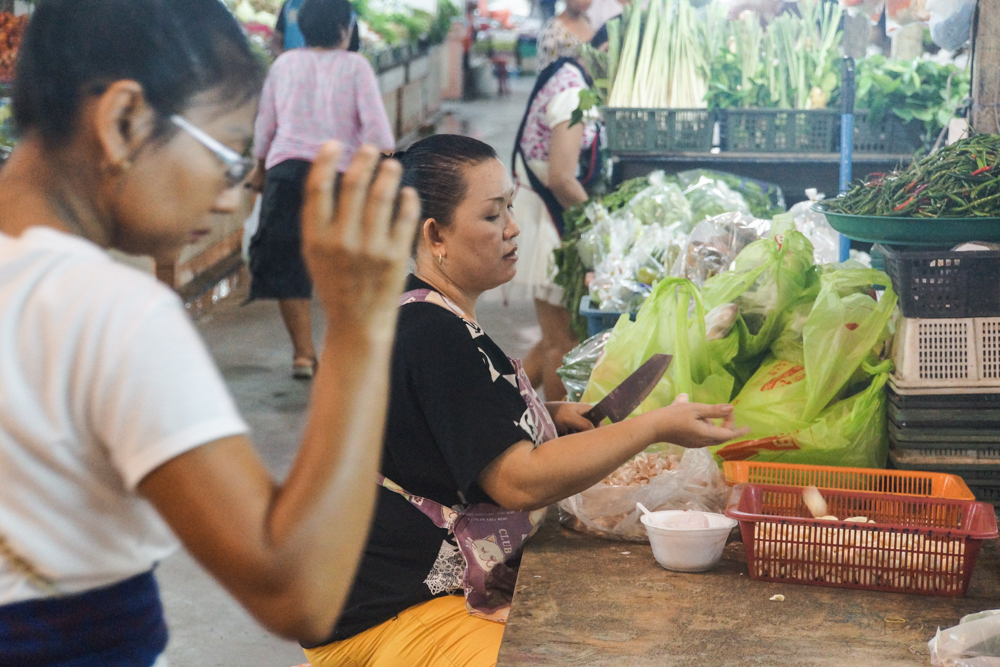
(471, 455)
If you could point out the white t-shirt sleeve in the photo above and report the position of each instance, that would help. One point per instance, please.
(562, 106)
(156, 392)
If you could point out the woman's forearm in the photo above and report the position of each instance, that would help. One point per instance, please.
(321, 516)
(288, 552)
(526, 477)
(568, 192)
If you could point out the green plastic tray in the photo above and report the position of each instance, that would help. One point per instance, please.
(913, 231)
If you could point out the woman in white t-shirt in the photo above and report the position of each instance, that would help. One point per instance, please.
(115, 425)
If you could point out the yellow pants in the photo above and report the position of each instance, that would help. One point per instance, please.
(438, 633)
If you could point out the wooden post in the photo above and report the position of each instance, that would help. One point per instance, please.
(985, 66)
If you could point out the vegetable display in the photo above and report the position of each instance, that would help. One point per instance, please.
(382, 25)
(657, 57)
(921, 90)
(673, 56)
(642, 228)
(959, 181)
(11, 33)
(793, 65)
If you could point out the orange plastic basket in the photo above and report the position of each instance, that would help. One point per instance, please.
(905, 482)
(912, 545)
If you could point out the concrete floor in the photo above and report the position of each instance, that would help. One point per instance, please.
(208, 629)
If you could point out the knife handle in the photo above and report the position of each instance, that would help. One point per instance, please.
(595, 415)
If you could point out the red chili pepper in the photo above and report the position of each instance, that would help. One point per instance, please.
(979, 171)
(910, 186)
(920, 189)
(905, 204)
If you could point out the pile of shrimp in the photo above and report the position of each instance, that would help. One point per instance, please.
(641, 469)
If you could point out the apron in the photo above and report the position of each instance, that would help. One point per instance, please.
(489, 537)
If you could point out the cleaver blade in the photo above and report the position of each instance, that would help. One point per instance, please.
(633, 390)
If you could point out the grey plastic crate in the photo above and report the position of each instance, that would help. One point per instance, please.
(658, 131)
(780, 131)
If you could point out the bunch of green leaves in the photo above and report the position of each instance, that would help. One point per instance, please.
(572, 270)
(730, 88)
(795, 64)
(764, 199)
(911, 90)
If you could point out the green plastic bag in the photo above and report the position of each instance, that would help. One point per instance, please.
(667, 323)
(828, 408)
(851, 432)
(768, 278)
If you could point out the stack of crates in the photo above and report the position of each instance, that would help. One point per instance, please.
(944, 394)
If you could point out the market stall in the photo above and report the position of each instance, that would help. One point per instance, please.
(885, 413)
(758, 96)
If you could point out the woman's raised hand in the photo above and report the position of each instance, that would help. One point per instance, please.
(692, 425)
(357, 238)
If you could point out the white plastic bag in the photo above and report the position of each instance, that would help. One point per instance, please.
(974, 642)
(950, 22)
(250, 226)
(610, 511)
(814, 226)
(715, 243)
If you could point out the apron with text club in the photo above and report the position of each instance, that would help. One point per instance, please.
(488, 536)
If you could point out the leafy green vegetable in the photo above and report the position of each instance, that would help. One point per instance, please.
(911, 90)
(794, 65)
(574, 257)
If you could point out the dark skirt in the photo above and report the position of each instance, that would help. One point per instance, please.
(277, 268)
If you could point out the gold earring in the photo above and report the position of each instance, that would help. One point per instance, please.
(125, 166)
(440, 260)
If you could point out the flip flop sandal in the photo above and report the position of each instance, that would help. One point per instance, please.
(304, 371)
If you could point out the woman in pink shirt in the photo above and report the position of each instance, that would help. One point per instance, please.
(311, 96)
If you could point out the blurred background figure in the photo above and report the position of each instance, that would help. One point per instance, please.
(311, 95)
(554, 164)
(602, 11)
(565, 35)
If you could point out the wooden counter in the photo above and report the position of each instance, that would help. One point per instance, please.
(586, 601)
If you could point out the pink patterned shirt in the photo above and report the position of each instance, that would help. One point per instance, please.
(312, 96)
(553, 105)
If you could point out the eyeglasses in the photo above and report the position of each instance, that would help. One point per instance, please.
(237, 166)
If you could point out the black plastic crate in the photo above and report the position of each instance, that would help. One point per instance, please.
(972, 418)
(659, 130)
(987, 493)
(983, 481)
(780, 131)
(889, 136)
(987, 467)
(943, 283)
(920, 436)
(942, 401)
